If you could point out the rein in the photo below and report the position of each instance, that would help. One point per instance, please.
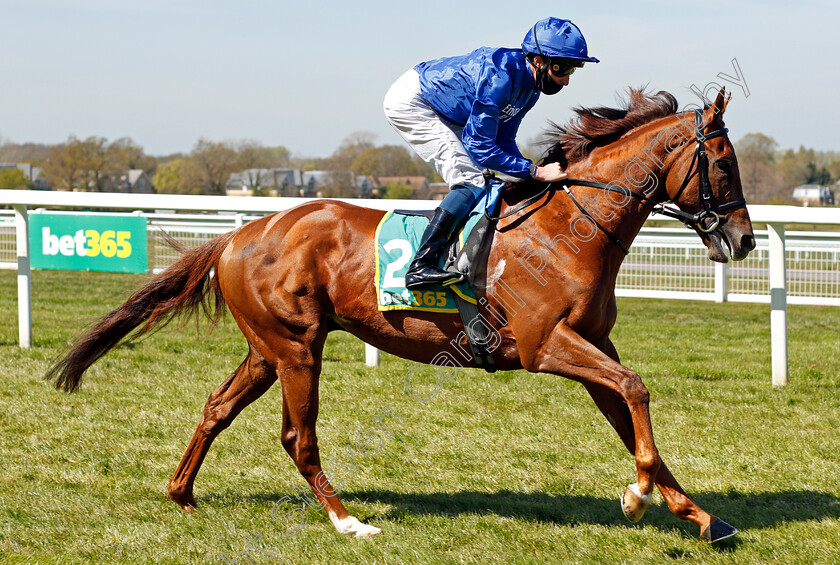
(691, 221)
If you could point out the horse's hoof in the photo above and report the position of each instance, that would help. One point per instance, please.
(718, 530)
(634, 503)
(188, 507)
(352, 526)
(368, 531)
(185, 501)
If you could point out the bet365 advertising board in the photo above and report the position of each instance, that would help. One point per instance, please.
(79, 242)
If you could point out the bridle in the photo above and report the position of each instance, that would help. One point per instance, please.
(708, 209)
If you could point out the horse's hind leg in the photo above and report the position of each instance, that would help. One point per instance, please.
(253, 377)
(298, 370)
(712, 528)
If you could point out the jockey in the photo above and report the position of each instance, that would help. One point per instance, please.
(462, 114)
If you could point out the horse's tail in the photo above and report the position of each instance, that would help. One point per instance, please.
(185, 286)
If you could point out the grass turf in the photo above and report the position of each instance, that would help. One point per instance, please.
(507, 467)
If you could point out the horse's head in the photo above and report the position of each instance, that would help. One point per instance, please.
(705, 184)
(687, 160)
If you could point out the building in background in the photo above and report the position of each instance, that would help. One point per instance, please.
(31, 173)
(294, 182)
(814, 195)
(419, 185)
(135, 180)
(268, 182)
(438, 190)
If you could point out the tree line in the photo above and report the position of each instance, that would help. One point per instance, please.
(89, 164)
(768, 173)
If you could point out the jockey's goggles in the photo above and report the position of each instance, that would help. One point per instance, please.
(562, 68)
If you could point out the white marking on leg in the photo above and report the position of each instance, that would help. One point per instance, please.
(351, 525)
(645, 498)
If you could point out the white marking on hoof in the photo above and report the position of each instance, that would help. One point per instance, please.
(634, 503)
(351, 526)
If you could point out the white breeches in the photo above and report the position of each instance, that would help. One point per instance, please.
(435, 139)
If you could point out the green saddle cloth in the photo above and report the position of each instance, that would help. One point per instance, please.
(397, 239)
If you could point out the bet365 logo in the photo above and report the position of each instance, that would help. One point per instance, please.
(118, 243)
(87, 243)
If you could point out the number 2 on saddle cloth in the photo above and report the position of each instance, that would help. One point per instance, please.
(397, 239)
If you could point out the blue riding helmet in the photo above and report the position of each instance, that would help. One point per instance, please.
(556, 37)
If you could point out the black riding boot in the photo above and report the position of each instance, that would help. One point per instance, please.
(424, 271)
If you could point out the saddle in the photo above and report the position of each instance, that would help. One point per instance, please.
(464, 253)
(396, 241)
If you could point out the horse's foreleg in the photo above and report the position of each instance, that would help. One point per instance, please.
(299, 378)
(242, 387)
(712, 528)
(569, 355)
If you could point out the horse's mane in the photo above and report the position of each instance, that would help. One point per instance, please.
(595, 127)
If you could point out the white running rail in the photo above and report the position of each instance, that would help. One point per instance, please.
(797, 267)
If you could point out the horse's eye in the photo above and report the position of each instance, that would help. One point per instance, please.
(723, 165)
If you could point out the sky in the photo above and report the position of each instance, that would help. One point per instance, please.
(307, 74)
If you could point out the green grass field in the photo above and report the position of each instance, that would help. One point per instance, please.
(497, 468)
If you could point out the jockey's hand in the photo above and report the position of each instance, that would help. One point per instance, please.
(552, 172)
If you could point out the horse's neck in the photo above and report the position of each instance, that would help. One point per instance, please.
(636, 162)
(621, 215)
(641, 161)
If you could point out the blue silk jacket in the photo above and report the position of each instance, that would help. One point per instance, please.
(488, 92)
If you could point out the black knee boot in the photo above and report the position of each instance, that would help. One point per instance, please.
(424, 271)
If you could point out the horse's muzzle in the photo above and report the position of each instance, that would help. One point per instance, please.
(736, 232)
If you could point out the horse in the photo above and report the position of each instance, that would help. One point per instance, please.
(292, 277)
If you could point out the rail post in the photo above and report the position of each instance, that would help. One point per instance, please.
(721, 271)
(778, 304)
(24, 277)
(371, 356)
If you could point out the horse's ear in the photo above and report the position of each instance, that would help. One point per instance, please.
(721, 101)
(714, 112)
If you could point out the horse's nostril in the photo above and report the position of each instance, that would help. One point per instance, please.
(748, 242)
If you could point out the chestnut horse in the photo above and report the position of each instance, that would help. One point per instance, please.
(292, 277)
